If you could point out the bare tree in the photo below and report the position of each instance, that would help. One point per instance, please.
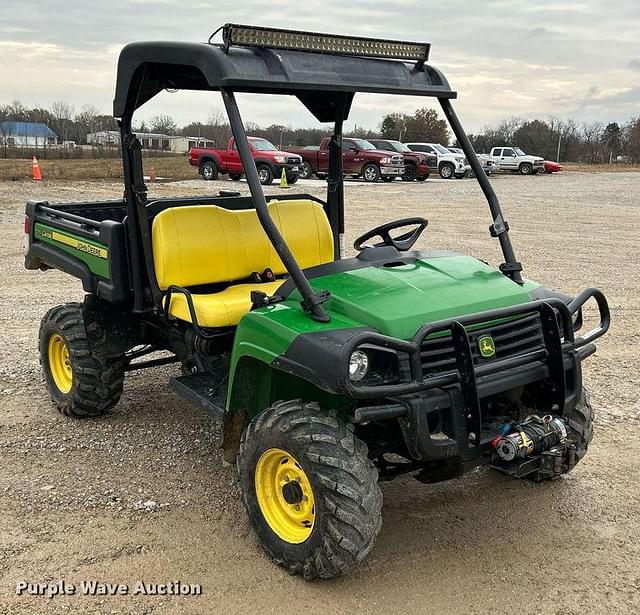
(62, 113)
(85, 123)
(219, 128)
(163, 124)
(6, 128)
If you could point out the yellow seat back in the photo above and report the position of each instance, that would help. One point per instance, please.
(206, 244)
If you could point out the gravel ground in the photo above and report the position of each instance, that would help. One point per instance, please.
(142, 493)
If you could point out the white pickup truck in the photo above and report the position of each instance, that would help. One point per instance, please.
(514, 159)
(449, 164)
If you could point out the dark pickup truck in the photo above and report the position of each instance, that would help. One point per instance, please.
(417, 165)
(359, 159)
(270, 161)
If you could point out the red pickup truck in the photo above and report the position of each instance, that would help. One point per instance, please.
(270, 161)
(359, 159)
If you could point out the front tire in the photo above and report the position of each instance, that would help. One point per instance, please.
(309, 489)
(307, 170)
(265, 174)
(236, 177)
(80, 383)
(371, 173)
(447, 170)
(580, 421)
(292, 179)
(526, 168)
(410, 173)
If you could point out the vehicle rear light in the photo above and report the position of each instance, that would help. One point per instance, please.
(27, 234)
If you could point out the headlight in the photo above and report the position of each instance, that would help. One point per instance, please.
(460, 160)
(373, 366)
(280, 159)
(386, 160)
(358, 365)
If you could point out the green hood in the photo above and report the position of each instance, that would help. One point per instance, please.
(397, 301)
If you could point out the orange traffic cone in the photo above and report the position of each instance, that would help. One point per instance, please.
(35, 170)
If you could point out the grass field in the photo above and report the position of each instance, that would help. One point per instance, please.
(171, 167)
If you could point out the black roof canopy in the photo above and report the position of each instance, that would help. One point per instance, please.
(323, 82)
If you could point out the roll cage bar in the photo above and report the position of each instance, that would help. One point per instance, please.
(324, 82)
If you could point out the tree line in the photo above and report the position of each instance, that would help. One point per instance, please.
(594, 142)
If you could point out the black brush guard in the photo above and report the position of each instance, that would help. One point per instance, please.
(560, 352)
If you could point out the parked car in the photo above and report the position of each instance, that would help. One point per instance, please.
(270, 161)
(488, 166)
(417, 165)
(449, 164)
(551, 167)
(514, 159)
(359, 159)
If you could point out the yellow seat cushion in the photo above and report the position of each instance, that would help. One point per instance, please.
(222, 309)
(204, 244)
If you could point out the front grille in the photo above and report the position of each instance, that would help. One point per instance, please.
(397, 160)
(294, 160)
(511, 338)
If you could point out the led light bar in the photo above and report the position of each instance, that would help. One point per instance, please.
(275, 38)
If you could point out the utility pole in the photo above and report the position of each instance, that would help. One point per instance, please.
(559, 141)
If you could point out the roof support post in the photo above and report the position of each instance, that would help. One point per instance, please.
(134, 191)
(500, 229)
(335, 184)
(311, 302)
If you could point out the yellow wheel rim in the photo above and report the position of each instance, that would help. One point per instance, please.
(285, 495)
(59, 363)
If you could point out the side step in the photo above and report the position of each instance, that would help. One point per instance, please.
(204, 390)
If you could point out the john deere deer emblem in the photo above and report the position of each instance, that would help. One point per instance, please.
(487, 346)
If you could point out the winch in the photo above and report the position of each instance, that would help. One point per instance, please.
(530, 437)
(523, 445)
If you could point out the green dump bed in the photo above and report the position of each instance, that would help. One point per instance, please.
(86, 240)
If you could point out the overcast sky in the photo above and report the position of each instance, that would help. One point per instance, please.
(505, 57)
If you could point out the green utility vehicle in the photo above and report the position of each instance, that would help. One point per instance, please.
(330, 374)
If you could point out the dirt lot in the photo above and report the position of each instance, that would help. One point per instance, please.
(142, 494)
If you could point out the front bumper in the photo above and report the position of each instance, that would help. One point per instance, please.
(289, 168)
(397, 171)
(440, 416)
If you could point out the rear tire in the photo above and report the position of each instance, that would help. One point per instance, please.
(330, 516)
(236, 177)
(80, 383)
(209, 170)
(446, 170)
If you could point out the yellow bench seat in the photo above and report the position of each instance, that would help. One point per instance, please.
(201, 245)
(221, 309)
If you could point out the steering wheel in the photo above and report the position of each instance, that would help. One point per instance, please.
(402, 242)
